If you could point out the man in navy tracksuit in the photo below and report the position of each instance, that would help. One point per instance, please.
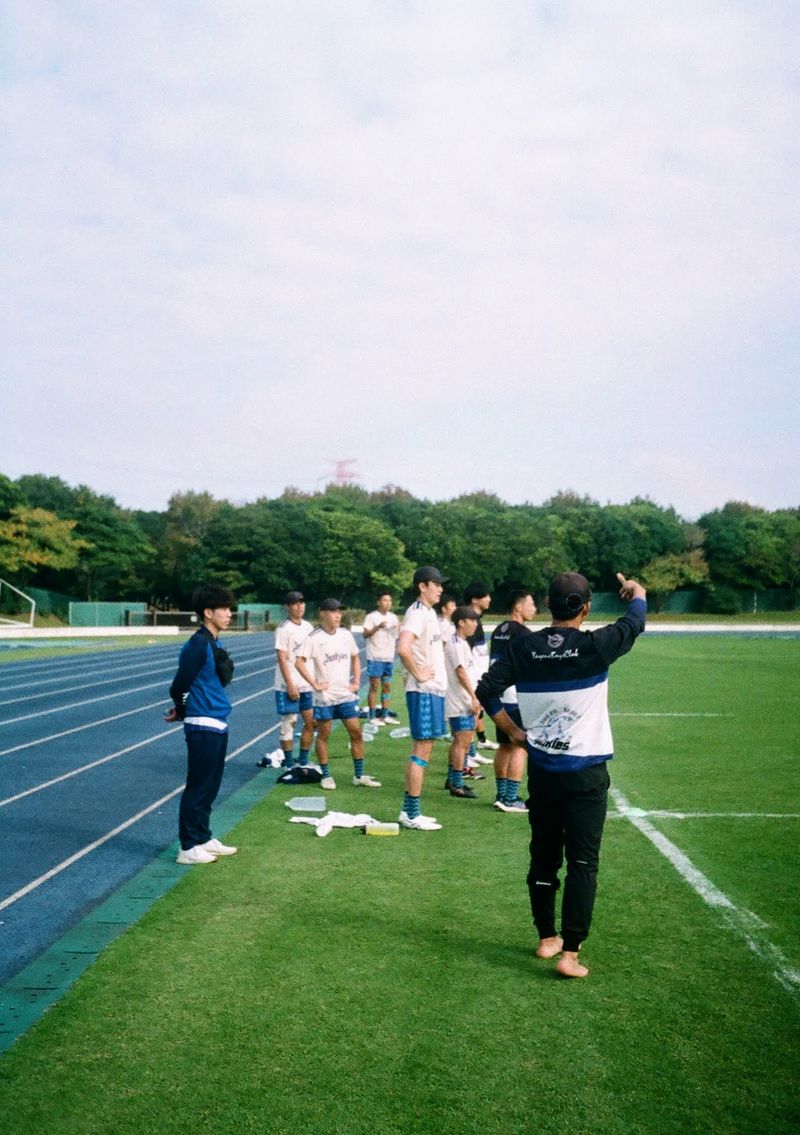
(198, 691)
(561, 676)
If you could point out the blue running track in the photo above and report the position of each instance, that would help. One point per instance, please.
(90, 777)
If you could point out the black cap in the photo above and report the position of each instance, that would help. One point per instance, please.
(568, 594)
(294, 597)
(464, 612)
(330, 605)
(428, 575)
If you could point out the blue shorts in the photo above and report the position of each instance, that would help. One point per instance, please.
(425, 715)
(380, 669)
(343, 711)
(464, 723)
(284, 705)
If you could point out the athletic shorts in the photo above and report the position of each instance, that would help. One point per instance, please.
(425, 715)
(513, 712)
(464, 723)
(341, 712)
(380, 669)
(285, 706)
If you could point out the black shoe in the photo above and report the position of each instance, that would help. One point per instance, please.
(465, 793)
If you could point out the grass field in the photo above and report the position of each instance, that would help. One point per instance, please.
(389, 985)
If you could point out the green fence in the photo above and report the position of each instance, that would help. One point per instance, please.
(102, 614)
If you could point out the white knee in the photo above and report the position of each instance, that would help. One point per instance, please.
(287, 726)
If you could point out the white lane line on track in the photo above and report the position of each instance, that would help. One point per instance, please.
(743, 923)
(86, 768)
(93, 701)
(26, 890)
(77, 667)
(120, 676)
(115, 717)
(83, 686)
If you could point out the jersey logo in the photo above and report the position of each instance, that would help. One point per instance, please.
(555, 640)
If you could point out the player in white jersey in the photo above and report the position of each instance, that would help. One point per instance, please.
(446, 605)
(329, 662)
(420, 650)
(477, 596)
(461, 705)
(293, 695)
(381, 630)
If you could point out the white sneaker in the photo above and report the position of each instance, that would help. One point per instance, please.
(419, 823)
(366, 781)
(477, 759)
(214, 847)
(195, 855)
(487, 744)
(379, 721)
(327, 782)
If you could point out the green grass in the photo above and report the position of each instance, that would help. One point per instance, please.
(388, 985)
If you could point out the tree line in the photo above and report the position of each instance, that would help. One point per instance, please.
(346, 541)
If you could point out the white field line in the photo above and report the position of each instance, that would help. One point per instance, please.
(743, 923)
(117, 716)
(116, 831)
(93, 701)
(672, 715)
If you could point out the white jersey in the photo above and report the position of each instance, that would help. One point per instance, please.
(381, 644)
(458, 652)
(329, 658)
(447, 628)
(290, 637)
(423, 623)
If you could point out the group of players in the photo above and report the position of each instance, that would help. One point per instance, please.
(546, 691)
(443, 648)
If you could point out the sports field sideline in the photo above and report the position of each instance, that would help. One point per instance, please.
(390, 984)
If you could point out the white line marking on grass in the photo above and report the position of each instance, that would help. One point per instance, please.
(26, 890)
(743, 923)
(620, 714)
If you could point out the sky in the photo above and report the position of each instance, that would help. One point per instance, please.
(524, 247)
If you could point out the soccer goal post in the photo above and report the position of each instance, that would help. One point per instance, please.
(15, 612)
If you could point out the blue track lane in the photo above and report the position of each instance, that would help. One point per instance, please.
(104, 710)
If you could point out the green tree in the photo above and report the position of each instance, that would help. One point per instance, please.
(666, 574)
(32, 539)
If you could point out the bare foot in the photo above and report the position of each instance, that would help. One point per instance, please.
(549, 947)
(569, 966)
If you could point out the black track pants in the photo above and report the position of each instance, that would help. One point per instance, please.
(206, 749)
(566, 811)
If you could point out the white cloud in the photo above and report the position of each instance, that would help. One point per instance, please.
(394, 210)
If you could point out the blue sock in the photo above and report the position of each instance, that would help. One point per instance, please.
(304, 756)
(473, 749)
(371, 714)
(502, 788)
(456, 778)
(512, 791)
(324, 770)
(358, 767)
(288, 758)
(411, 806)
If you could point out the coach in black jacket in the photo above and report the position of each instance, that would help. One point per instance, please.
(561, 675)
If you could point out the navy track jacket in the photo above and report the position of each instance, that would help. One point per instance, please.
(561, 675)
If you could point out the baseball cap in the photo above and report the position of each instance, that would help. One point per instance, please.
(567, 595)
(330, 605)
(294, 597)
(464, 613)
(428, 575)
